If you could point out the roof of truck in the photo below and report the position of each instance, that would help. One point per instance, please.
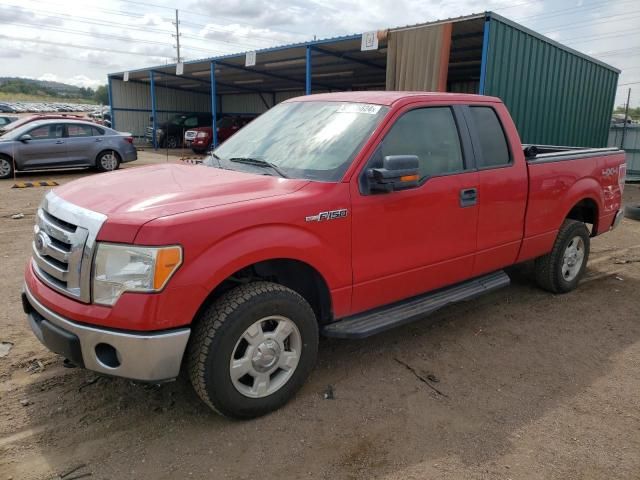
(389, 97)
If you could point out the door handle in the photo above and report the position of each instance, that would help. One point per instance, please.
(59, 142)
(98, 139)
(468, 197)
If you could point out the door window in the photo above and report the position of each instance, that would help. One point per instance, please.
(45, 132)
(429, 133)
(493, 143)
(78, 130)
(191, 122)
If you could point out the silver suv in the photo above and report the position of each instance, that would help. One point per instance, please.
(64, 144)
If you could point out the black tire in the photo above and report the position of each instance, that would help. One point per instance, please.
(108, 161)
(220, 327)
(6, 167)
(172, 142)
(632, 212)
(549, 268)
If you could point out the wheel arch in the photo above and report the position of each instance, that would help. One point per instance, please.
(298, 275)
(585, 210)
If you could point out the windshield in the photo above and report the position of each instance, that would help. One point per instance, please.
(311, 140)
(178, 121)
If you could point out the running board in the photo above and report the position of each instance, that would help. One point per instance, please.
(380, 319)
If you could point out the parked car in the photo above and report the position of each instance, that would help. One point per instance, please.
(200, 139)
(6, 120)
(33, 118)
(6, 108)
(341, 214)
(62, 144)
(170, 134)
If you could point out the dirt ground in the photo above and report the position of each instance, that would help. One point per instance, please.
(519, 384)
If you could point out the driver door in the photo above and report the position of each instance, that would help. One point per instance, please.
(47, 147)
(411, 241)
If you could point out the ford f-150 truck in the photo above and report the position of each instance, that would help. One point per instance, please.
(340, 214)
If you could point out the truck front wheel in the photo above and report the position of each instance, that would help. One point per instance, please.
(252, 349)
(560, 270)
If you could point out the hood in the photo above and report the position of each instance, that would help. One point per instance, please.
(137, 195)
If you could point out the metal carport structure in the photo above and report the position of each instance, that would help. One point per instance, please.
(542, 81)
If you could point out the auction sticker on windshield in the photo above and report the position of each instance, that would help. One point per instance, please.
(358, 108)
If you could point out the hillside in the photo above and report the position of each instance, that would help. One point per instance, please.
(26, 89)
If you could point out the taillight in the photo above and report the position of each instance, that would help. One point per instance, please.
(129, 139)
(622, 176)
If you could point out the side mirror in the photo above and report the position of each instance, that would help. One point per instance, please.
(398, 172)
(25, 138)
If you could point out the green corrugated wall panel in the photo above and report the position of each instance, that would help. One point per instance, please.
(555, 96)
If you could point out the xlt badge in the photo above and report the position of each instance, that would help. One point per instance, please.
(330, 215)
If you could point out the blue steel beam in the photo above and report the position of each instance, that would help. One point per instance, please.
(214, 105)
(153, 109)
(205, 82)
(268, 74)
(110, 93)
(348, 57)
(307, 74)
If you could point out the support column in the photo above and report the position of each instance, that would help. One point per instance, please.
(214, 106)
(110, 94)
(485, 51)
(308, 72)
(154, 121)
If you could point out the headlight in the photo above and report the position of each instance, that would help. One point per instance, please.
(128, 268)
(202, 135)
(159, 132)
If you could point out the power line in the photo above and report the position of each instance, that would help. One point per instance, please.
(595, 22)
(82, 47)
(107, 36)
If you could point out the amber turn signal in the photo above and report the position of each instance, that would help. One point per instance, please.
(167, 261)
(409, 178)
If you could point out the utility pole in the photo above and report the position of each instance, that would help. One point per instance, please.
(177, 35)
(626, 118)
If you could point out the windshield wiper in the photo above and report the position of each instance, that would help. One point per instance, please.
(217, 158)
(258, 162)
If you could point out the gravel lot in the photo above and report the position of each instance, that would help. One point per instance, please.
(519, 384)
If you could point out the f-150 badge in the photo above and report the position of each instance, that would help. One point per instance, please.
(330, 215)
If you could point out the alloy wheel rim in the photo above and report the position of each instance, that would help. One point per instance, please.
(265, 357)
(5, 167)
(573, 258)
(108, 161)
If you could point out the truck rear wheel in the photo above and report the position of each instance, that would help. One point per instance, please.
(560, 270)
(252, 349)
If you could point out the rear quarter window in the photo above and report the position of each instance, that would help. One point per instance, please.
(493, 141)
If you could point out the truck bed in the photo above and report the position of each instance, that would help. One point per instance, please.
(554, 153)
(561, 178)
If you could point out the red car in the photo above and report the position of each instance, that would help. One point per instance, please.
(200, 138)
(341, 214)
(32, 118)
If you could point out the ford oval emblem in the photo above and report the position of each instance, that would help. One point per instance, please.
(41, 242)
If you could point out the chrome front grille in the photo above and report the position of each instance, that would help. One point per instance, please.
(190, 134)
(63, 245)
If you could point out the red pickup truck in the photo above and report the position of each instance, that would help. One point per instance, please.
(340, 214)
(200, 139)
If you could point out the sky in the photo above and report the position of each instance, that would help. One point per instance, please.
(80, 42)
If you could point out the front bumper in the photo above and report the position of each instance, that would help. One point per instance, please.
(148, 357)
(617, 219)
